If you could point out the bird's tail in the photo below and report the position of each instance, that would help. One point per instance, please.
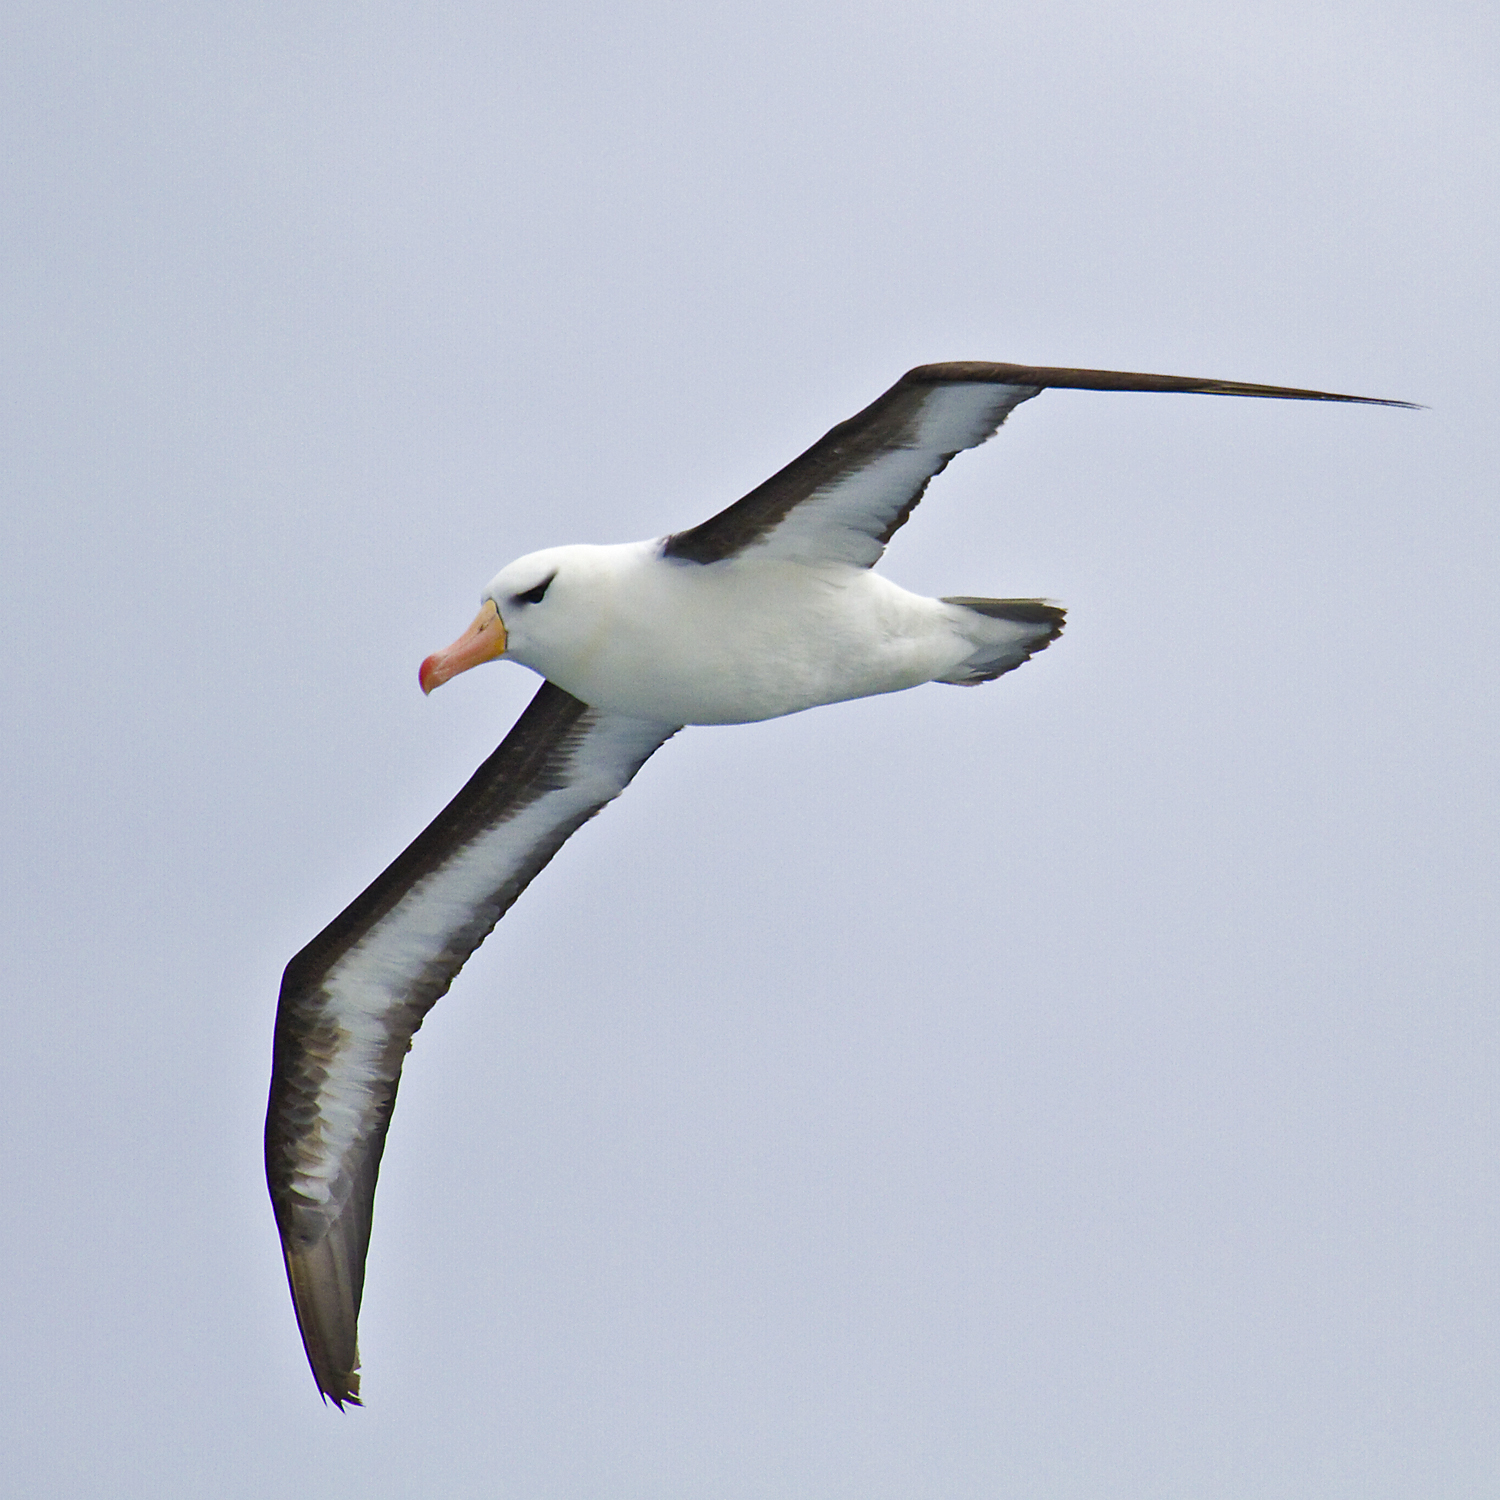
(1005, 633)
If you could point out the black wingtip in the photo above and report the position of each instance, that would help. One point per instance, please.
(327, 1307)
(342, 1397)
(1047, 377)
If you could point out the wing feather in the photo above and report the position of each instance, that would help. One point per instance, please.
(352, 1000)
(843, 499)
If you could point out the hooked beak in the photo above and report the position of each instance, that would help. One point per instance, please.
(484, 640)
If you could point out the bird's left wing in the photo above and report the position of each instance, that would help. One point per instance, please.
(844, 498)
(353, 998)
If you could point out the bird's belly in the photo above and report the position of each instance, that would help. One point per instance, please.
(729, 649)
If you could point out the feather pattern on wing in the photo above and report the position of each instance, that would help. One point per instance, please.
(352, 1000)
(846, 496)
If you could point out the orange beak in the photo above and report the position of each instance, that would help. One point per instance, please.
(484, 640)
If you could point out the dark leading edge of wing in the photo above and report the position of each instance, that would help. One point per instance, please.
(354, 997)
(893, 422)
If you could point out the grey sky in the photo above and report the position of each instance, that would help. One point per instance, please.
(1079, 1086)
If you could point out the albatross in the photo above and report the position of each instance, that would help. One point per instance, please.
(767, 608)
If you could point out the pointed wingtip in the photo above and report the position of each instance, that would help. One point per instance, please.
(1046, 377)
(343, 1396)
(327, 1306)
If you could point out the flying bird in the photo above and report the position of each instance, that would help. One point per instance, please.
(767, 608)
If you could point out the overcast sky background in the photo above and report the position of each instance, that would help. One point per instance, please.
(1080, 1086)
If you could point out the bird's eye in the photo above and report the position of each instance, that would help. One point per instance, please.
(534, 596)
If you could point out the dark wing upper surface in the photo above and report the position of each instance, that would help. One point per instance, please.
(353, 998)
(843, 499)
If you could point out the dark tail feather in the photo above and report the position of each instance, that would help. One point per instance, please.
(1034, 625)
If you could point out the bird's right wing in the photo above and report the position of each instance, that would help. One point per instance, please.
(352, 1000)
(844, 498)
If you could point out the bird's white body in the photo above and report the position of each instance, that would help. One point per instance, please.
(752, 637)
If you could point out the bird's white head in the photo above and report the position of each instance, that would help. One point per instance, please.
(541, 608)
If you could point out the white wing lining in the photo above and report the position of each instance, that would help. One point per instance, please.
(850, 518)
(377, 973)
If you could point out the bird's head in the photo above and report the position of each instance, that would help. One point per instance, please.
(529, 612)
